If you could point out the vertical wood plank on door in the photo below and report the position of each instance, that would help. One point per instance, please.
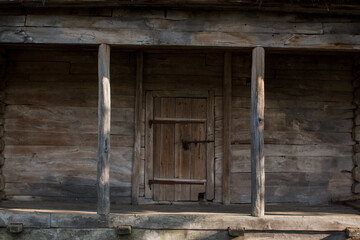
(257, 133)
(167, 149)
(149, 144)
(198, 156)
(104, 114)
(210, 190)
(138, 128)
(157, 147)
(182, 156)
(227, 128)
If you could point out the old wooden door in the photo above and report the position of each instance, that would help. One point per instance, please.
(179, 148)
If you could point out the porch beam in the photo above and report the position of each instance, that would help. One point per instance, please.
(181, 38)
(104, 114)
(257, 133)
(227, 127)
(138, 128)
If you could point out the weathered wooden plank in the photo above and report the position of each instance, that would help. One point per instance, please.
(244, 102)
(149, 144)
(53, 35)
(210, 148)
(178, 80)
(61, 190)
(308, 62)
(298, 94)
(157, 144)
(182, 156)
(89, 68)
(310, 114)
(339, 86)
(13, 21)
(294, 187)
(257, 133)
(227, 127)
(319, 222)
(326, 75)
(58, 99)
(193, 23)
(32, 67)
(311, 126)
(198, 151)
(318, 165)
(30, 112)
(63, 139)
(166, 151)
(103, 166)
(340, 28)
(80, 126)
(323, 150)
(293, 137)
(138, 127)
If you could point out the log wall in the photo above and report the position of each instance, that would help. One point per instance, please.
(308, 124)
(51, 122)
(51, 125)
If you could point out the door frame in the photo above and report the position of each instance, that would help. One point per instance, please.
(210, 135)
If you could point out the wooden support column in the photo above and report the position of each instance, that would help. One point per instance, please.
(257, 133)
(104, 112)
(138, 128)
(227, 128)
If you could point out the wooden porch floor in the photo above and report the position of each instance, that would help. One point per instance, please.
(187, 208)
(284, 217)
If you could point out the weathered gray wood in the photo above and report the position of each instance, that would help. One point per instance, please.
(294, 222)
(294, 187)
(314, 165)
(197, 21)
(210, 148)
(346, 7)
(138, 127)
(227, 128)
(135, 37)
(12, 21)
(257, 133)
(103, 166)
(149, 144)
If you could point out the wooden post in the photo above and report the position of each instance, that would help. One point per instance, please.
(227, 128)
(257, 133)
(104, 111)
(138, 128)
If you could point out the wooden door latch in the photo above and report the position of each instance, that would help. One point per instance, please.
(186, 144)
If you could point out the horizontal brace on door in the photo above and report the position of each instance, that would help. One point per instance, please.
(174, 120)
(173, 181)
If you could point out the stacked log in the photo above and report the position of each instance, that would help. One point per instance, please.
(2, 111)
(356, 131)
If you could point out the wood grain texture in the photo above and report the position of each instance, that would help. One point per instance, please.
(210, 148)
(138, 128)
(227, 128)
(149, 144)
(198, 151)
(183, 156)
(257, 133)
(348, 7)
(103, 167)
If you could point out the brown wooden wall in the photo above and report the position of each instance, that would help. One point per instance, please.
(51, 125)
(308, 123)
(51, 122)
